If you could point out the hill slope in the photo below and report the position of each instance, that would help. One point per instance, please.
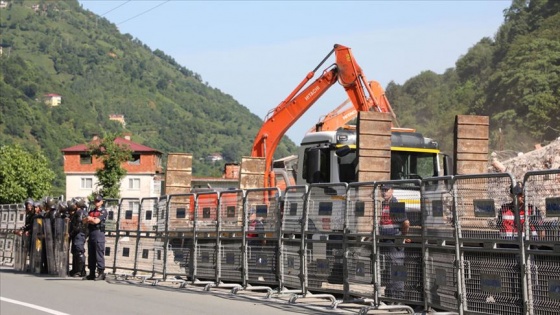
(57, 47)
(514, 78)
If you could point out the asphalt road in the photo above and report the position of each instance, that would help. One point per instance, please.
(30, 294)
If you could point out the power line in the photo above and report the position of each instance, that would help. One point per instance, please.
(113, 9)
(143, 12)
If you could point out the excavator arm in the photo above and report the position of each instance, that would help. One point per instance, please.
(346, 71)
(343, 114)
(284, 116)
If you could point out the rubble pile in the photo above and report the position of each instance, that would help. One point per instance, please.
(544, 158)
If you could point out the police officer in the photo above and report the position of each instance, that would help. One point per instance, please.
(77, 210)
(40, 213)
(51, 212)
(26, 229)
(96, 242)
(29, 213)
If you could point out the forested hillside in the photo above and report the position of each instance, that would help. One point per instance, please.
(514, 78)
(56, 47)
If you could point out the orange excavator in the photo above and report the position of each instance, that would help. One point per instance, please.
(346, 72)
(344, 113)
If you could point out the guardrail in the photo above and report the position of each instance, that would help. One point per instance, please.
(331, 241)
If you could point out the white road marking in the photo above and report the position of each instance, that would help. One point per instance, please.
(37, 307)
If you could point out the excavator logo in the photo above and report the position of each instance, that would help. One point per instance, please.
(311, 93)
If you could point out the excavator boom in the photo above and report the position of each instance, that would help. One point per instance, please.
(343, 114)
(346, 71)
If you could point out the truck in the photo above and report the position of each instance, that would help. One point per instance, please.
(330, 156)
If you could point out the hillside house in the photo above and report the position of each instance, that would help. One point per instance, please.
(119, 118)
(144, 171)
(53, 99)
(214, 157)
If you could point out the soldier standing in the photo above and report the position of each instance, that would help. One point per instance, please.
(96, 241)
(78, 211)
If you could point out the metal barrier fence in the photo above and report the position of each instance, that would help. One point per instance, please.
(12, 216)
(460, 244)
(542, 257)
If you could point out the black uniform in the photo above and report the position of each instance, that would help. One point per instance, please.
(28, 226)
(26, 230)
(78, 232)
(96, 241)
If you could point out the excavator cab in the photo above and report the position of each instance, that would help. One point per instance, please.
(331, 157)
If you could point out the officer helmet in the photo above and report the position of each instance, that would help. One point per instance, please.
(50, 203)
(62, 206)
(517, 190)
(70, 203)
(80, 203)
(29, 201)
(37, 204)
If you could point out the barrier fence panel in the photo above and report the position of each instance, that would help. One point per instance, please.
(262, 224)
(324, 237)
(205, 237)
(149, 251)
(161, 237)
(4, 215)
(126, 236)
(7, 247)
(359, 240)
(291, 249)
(230, 236)
(491, 248)
(181, 235)
(441, 254)
(10, 221)
(541, 208)
(112, 207)
(399, 248)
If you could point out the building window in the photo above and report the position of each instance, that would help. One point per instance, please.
(134, 206)
(135, 159)
(134, 183)
(85, 159)
(87, 183)
(181, 213)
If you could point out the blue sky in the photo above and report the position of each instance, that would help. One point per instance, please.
(259, 51)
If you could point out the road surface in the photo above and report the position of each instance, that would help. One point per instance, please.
(30, 294)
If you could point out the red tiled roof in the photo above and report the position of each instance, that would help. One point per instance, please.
(133, 146)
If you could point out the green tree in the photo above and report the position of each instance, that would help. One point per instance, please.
(112, 156)
(23, 174)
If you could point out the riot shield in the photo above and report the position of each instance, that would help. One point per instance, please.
(20, 252)
(61, 246)
(37, 239)
(49, 246)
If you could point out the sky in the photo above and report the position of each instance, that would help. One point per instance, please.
(259, 51)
